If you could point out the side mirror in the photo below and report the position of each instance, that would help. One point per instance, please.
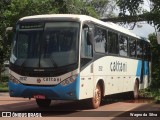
(9, 29)
(8, 32)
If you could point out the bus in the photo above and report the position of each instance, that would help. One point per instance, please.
(76, 57)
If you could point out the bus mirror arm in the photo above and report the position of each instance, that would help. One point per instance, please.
(89, 34)
(89, 38)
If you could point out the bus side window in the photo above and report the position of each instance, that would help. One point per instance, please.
(113, 43)
(123, 45)
(132, 47)
(100, 38)
(86, 49)
(145, 50)
(139, 49)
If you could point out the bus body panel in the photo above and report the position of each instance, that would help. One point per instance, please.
(119, 75)
(86, 82)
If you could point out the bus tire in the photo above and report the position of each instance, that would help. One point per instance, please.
(136, 90)
(96, 100)
(43, 103)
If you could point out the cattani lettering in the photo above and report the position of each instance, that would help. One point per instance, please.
(118, 66)
(52, 79)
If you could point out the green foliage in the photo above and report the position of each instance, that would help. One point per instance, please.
(132, 6)
(4, 84)
(3, 49)
(155, 48)
(4, 79)
(3, 89)
(104, 8)
(150, 93)
(18, 9)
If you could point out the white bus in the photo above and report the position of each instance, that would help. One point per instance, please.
(75, 57)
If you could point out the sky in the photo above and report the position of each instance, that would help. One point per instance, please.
(144, 30)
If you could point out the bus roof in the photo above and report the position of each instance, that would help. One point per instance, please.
(84, 18)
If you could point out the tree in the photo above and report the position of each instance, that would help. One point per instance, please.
(3, 48)
(104, 8)
(134, 8)
(155, 48)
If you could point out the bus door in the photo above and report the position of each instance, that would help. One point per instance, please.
(145, 64)
(140, 56)
(86, 64)
(142, 72)
(149, 62)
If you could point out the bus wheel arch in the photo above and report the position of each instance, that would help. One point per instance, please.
(102, 87)
(136, 89)
(97, 95)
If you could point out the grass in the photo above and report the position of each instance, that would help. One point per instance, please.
(151, 93)
(4, 84)
(3, 89)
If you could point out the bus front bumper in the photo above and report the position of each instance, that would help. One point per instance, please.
(58, 92)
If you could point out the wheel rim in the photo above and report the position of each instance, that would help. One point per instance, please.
(97, 95)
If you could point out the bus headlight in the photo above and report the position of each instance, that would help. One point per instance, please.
(69, 80)
(13, 79)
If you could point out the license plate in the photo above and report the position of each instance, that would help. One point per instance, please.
(39, 97)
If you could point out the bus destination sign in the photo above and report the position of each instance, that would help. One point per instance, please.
(31, 26)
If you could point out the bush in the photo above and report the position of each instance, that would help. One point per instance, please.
(4, 83)
(150, 93)
(4, 79)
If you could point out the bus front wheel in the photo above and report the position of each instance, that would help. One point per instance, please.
(96, 100)
(43, 103)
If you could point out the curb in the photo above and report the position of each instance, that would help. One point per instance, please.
(4, 93)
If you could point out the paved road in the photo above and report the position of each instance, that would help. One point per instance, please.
(110, 109)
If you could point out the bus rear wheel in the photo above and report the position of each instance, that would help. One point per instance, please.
(96, 100)
(43, 103)
(136, 90)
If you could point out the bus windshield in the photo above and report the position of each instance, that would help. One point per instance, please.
(52, 44)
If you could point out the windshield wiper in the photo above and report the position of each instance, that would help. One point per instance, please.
(53, 62)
